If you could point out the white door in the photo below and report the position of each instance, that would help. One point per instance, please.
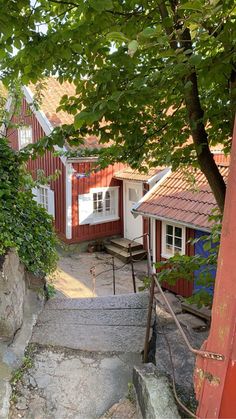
(133, 227)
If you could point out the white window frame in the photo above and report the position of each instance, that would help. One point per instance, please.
(23, 142)
(43, 194)
(91, 217)
(50, 205)
(164, 252)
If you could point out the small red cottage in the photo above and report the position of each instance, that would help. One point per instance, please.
(178, 212)
(85, 206)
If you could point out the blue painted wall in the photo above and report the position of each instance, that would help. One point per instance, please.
(199, 250)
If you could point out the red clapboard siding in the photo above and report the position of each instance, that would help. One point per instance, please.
(102, 178)
(48, 163)
(182, 286)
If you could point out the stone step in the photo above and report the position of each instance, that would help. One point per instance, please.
(124, 255)
(90, 338)
(123, 301)
(124, 244)
(102, 324)
(100, 317)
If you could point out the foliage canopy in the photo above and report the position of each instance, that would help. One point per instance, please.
(155, 71)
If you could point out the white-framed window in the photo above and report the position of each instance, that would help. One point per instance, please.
(44, 196)
(173, 240)
(25, 136)
(99, 206)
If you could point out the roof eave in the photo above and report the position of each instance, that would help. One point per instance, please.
(157, 217)
(93, 159)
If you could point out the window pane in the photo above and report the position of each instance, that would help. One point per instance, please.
(169, 229)
(177, 251)
(169, 240)
(25, 136)
(95, 207)
(178, 232)
(43, 197)
(178, 242)
(133, 195)
(108, 201)
(169, 248)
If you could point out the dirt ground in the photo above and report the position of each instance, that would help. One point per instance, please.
(74, 277)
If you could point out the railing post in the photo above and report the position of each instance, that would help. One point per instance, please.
(150, 305)
(132, 267)
(114, 278)
(93, 273)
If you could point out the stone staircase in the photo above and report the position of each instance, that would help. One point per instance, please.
(112, 323)
(120, 248)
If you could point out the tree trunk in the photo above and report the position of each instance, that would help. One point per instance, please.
(195, 112)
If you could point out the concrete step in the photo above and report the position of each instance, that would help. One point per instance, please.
(124, 244)
(124, 255)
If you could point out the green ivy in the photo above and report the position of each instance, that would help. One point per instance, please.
(24, 225)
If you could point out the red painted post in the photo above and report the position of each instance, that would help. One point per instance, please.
(215, 381)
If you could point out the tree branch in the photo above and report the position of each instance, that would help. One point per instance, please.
(195, 112)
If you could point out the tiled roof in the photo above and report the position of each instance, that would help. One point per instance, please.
(177, 199)
(130, 174)
(50, 96)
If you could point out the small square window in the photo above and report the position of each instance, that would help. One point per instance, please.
(43, 197)
(105, 203)
(173, 240)
(24, 136)
(133, 195)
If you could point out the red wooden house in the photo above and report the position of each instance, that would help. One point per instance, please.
(86, 205)
(177, 212)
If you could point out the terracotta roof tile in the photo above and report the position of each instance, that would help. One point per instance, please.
(49, 100)
(176, 199)
(50, 96)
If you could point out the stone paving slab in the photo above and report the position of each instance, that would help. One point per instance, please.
(11, 353)
(73, 385)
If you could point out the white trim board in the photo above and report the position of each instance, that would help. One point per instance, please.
(69, 175)
(42, 119)
(167, 172)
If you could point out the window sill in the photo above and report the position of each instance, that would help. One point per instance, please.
(104, 220)
(166, 256)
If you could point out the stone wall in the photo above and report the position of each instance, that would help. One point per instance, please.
(12, 294)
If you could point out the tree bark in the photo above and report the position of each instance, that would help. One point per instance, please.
(195, 114)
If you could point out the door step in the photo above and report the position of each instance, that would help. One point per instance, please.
(121, 249)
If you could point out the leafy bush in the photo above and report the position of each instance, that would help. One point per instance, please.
(24, 225)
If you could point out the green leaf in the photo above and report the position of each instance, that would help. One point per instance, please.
(101, 5)
(86, 118)
(117, 36)
(132, 47)
(195, 59)
(148, 33)
(191, 5)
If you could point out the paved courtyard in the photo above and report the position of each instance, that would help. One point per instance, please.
(73, 278)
